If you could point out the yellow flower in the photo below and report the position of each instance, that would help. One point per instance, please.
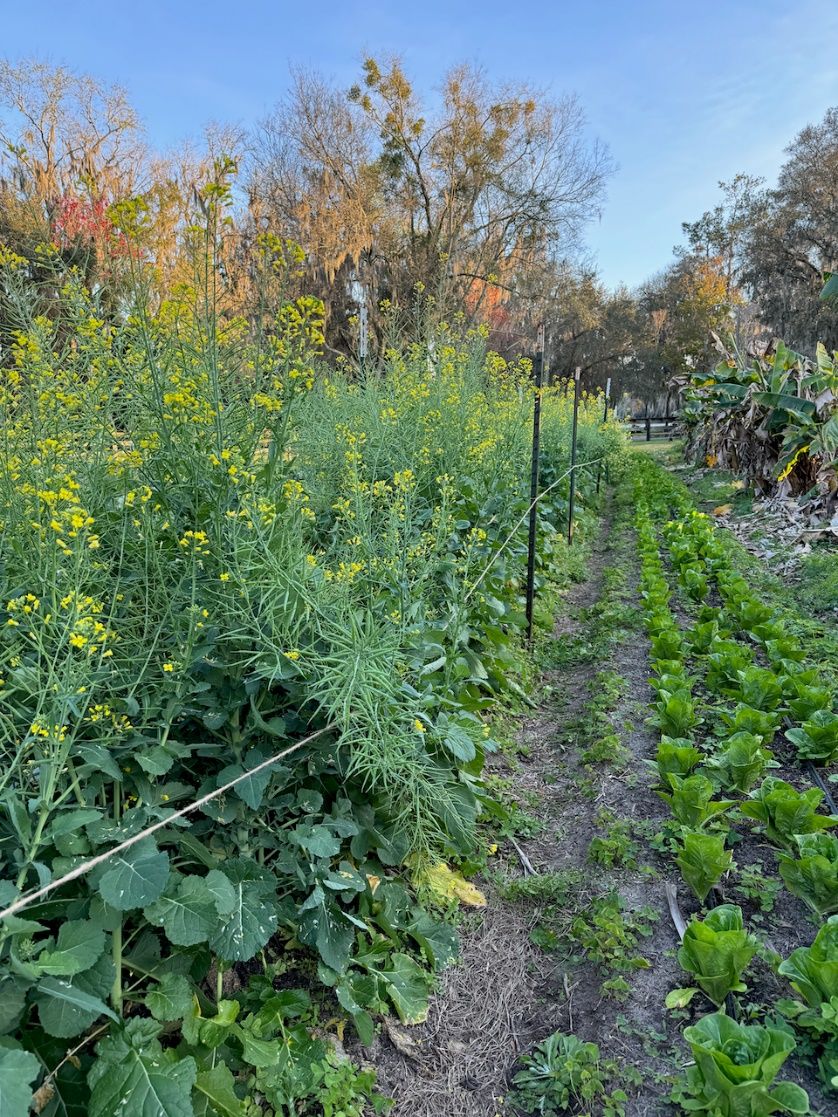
(292, 655)
(168, 667)
(225, 577)
(418, 726)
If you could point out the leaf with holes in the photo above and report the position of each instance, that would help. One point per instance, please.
(170, 998)
(216, 1096)
(323, 925)
(187, 911)
(135, 877)
(133, 1074)
(67, 1008)
(253, 918)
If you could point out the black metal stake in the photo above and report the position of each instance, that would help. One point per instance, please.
(572, 499)
(604, 421)
(538, 372)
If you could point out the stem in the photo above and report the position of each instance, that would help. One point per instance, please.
(116, 990)
(219, 981)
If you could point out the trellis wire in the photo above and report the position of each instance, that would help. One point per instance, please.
(29, 898)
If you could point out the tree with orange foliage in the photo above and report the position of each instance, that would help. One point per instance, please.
(462, 200)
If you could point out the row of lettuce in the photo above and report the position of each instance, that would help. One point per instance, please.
(212, 545)
(725, 686)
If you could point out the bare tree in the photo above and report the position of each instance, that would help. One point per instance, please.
(461, 200)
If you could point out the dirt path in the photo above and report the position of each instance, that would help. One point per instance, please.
(580, 945)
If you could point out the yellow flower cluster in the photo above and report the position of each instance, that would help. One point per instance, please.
(48, 732)
(85, 629)
(296, 497)
(101, 712)
(195, 542)
(57, 511)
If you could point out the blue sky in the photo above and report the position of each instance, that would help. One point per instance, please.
(684, 95)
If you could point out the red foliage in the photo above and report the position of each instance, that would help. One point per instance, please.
(82, 221)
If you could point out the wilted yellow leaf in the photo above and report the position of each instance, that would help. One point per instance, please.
(445, 885)
(722, 509)
(710, 460)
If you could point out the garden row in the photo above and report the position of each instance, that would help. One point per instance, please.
(726, 686)
(215, 550)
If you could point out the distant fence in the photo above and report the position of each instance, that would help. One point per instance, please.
(653, 426)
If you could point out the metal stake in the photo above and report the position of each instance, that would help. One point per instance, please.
(538, 372)
(572, 499)
(604, 421)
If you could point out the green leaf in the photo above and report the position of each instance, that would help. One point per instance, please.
(215, 1030)
(260, 1052)
(216, 1095)
(251, 789)
(12, 1001)
(156, 761)
(323, 925)
(133, 1075)
(18, 1070)
(319, 841)
(187, 912)
(253, 916)
(438, 941)
(66, 1009)
(68, 821)
(783, 401)
(80, 944)
(716, 950)
(813, 875)
(830, 288)
(735, 1065)
(283, 1005)
(680, 998)
(459, 743)
(170, 998)
(691, 800)
(407, 986)
(786, 811)
(222, 891)
(813, 970)
(135, 877)
(790, 1097)
(703, 861)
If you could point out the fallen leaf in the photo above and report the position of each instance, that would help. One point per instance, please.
(446, 885)
(722, 509)
(680, 998)
(405, 1044)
